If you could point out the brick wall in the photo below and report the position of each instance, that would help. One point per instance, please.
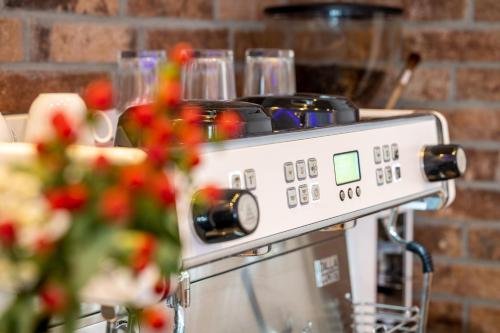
(60, 45)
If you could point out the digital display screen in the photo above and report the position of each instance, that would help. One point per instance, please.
(346, 167)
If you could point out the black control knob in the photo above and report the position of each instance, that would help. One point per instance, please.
(442, 162)
(235, 214)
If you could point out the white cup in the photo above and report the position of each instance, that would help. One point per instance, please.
(39, 124)
(5, 132)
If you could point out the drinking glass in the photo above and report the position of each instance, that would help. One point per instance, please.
(138, 77)
(209, 75)
(269, 72)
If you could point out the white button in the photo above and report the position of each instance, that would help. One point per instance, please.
(387, 153)
(342, 195)
(303, 194)
(315, 192)
(377, 155)
(312, 163)
(291, 196)
(289, 172)
(358, 191)
(388, 174)
(236, 181)
(301, 170)
(395, 151)
(350, 194)
(380, 176)
(397, 172)
(250, 179)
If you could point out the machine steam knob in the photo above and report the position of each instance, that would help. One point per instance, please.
(442, 162)
(234, 214)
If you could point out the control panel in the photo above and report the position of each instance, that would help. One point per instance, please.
(307, 180)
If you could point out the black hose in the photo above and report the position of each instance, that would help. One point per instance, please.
(423, 254)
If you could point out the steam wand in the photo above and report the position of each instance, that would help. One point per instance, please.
(427, 265)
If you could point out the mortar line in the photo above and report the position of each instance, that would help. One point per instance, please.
(472, 223)
(465, 315)
(469, 11)
(151, 22)
(452, 89)
(491, 264)
(26, 39)
(57, 67)
(461, 299)
(465, 228)
(122, 8)
(215, 9)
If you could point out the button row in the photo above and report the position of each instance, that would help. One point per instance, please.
(312, 167)
(303, 195)
(388, 173)
(386, 153)
(250, 179)
(350, 193)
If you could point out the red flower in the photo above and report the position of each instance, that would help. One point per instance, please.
(156, 318)
(134, 176)
(181, 53)
(99, 95)
(229, 124)
(191, 114)
(43, 245)
(157, 154)
(211, 194)
(54, 298)
(191, 135)
(8, 233)
(192, 158)
(101, 163)
(62, 127)
(171, 93)
(71, 197)
(161, 131)
(142, 115)
(115, 205)
(162, 287)
(144, 252)
(163, 189)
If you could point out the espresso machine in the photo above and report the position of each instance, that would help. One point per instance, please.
(271, 255)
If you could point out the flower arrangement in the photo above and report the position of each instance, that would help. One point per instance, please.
(62, 220)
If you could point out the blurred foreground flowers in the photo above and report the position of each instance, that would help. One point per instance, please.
(67, 224)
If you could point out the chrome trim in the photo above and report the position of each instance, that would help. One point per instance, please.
(217, 255)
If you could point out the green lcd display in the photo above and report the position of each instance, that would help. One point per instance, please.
(346, 166)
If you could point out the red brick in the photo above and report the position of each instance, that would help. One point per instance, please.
(464, 280)
(200, 9)
(257, 39)
(487, 10)
(459, 45)
(166, 39)
(435, 10)
(472, 204)
(237, 10)
(428, 84)
(80, 42)
(445, 317)
(479, 83)
(483, 319)
(11, 40)
(440, 240)
(484, 243)
(19, 89)
(95, 7)
(474, 124)
(482, 165)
